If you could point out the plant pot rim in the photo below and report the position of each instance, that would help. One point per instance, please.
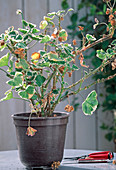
(20, 116)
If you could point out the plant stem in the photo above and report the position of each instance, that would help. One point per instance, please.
(86, 87)
(99, 81)
(96, 42)
(45, 44)
(6, 73)
(54, 82)
(61, 91)
(51, 76)
(22, 20)
(88, 75)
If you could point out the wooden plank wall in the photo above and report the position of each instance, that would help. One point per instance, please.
(81, 131)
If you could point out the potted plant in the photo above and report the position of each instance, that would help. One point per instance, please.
(40, 80)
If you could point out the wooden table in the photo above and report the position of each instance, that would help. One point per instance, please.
(9, 160)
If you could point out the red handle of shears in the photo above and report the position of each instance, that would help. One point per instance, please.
(101, 155)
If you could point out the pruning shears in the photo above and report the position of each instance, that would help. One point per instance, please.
(97, 157)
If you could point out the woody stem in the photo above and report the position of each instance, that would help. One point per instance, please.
(95, 43)
(86, 87)
(88, 75)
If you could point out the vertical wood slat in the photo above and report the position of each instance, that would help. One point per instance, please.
(23, 11)
(85, 126)
(34, 12)
(8, 18)
(55, 6)
(74, 6)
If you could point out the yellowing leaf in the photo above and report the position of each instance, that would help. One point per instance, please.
(63, 35)
(31, 131)
(35, 56)
(69, 108)
(8, 96)
(43, 24)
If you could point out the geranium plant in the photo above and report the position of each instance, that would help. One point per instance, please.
(40, 78)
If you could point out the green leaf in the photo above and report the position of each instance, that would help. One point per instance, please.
(85, 73)
(23, 94)
(68, 52)
(43, 24)
(40, 80)
(74, 67)
(42, 52)
(71, 27)
(20, 45)
(65, 4)
(96, 62)
(74, 18)
(69, 59)
(93, 9)
(51, 14)
(55, 91)
(24, 31)
(17, 81)
(90, 103)
(2, 36)
(101, 54)
(45, 39)
(23, 63)
(30, 89)
(34, 97)
(63, 33)
(46, 64)
(25, 23)
(48, 18)
(52, 23)
(90, 37)
(80, 6)
(11, 65)
(34, 37)
(32, 25)
(19, 38)
(8, 96)
(34, 30)
(13, 34)
(10, 29)
(60, 12)
(100, 13)
(104, 8)
(25, 37)
(104, 127)
(68, 46)
(110, 53)
(70, 9)
(109, 136)
(4, 60)
(113, 42)
(63, 55)
(54, 57)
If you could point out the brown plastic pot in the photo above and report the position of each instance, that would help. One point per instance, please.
(47, 145)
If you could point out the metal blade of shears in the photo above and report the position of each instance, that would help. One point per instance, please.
(86, 161)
